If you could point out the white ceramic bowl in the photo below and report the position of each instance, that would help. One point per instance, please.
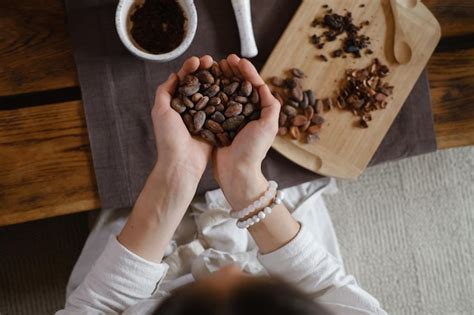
(121, 16)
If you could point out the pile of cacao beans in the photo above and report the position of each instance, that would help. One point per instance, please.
(214, 106)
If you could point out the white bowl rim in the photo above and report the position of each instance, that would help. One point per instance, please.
(189, 10)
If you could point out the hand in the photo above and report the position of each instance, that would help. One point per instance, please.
(237, 168)
(176, 147)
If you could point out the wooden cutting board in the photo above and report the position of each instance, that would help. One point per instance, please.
(345, 149)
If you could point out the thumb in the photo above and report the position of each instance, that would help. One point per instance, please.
(270, 109)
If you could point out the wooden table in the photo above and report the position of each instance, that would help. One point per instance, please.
(45, 159)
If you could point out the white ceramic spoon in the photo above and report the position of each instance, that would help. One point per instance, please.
(248, 47)
(121, 17)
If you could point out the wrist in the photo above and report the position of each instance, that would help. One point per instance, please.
(248, 184)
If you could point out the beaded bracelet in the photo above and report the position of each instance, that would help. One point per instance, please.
(262, 214)
(260, 203)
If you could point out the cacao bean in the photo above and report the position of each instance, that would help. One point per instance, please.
(220, 107)
(319, 107)
(314, 129)
(192, 111)
(210, 110)
(311, 97)
(305, 126)
(293, 103)
(290, 110)
(282, 119)
(299, 120)
(282, 131)
(196, 97)
(225, 81)
(231, 88)
(199, 120)
(296, 94)
(202, 103)
(205, 76)
(295, 132)
(208, 136)
(317, 120)
(309, 112)
(276, 81)
(205, 86)
(241, 99)
(212, 90)
(214, 101)
(246, 88)
(216, 70)
(297, 73)
(190, 79)
(254, 98)
(188, 121)
(224, 98)
(278, 97)
(232, 135)
(235, 79)
(187, 102)
(177, 105)
(190, 89)
(233, 109)
(214, 126)
(218, 117)
(233, 123)
(290, 83)
(223, 139)
(305, 102)
(248, 109)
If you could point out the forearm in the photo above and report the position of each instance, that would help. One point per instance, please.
(158, 211)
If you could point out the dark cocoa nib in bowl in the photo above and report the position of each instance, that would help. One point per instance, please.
(157, 26)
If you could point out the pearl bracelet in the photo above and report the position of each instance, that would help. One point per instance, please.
(262, 214)
(260, 203)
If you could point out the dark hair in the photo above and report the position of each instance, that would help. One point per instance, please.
(262, 296)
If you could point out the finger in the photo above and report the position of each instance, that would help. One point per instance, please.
(189, 66)
(233, 61)
(226, 68)
(205, 62)
(270, 107)
(249, 72)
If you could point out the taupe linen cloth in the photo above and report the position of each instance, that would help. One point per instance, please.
(118, 91)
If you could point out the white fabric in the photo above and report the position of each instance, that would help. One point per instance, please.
(311, 261)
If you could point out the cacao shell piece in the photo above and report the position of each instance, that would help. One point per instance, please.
(218, 117)
(212, 90)
(248, 109)
(290, 110)
(299, 120)
(231, 88)
(297, 73)
(214, 126)
(233, 123)
(246, 88)
(201, 103)
(208, 136)
(282, 119)
(223, 139)
(282, 131)
(205, 76)
(199, 120)
(312, 138)
(254, 97)
(233, 109)
(295, 132)
(319, 107)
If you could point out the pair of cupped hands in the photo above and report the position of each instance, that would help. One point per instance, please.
(236, 168)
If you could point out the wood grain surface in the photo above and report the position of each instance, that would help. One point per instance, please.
(344, 149)
(46, 167)
(35, 52)
(35, 55)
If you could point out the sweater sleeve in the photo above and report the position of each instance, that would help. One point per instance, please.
(118, 280)
(307, 265)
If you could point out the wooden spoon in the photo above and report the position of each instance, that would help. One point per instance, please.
(401, 49)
